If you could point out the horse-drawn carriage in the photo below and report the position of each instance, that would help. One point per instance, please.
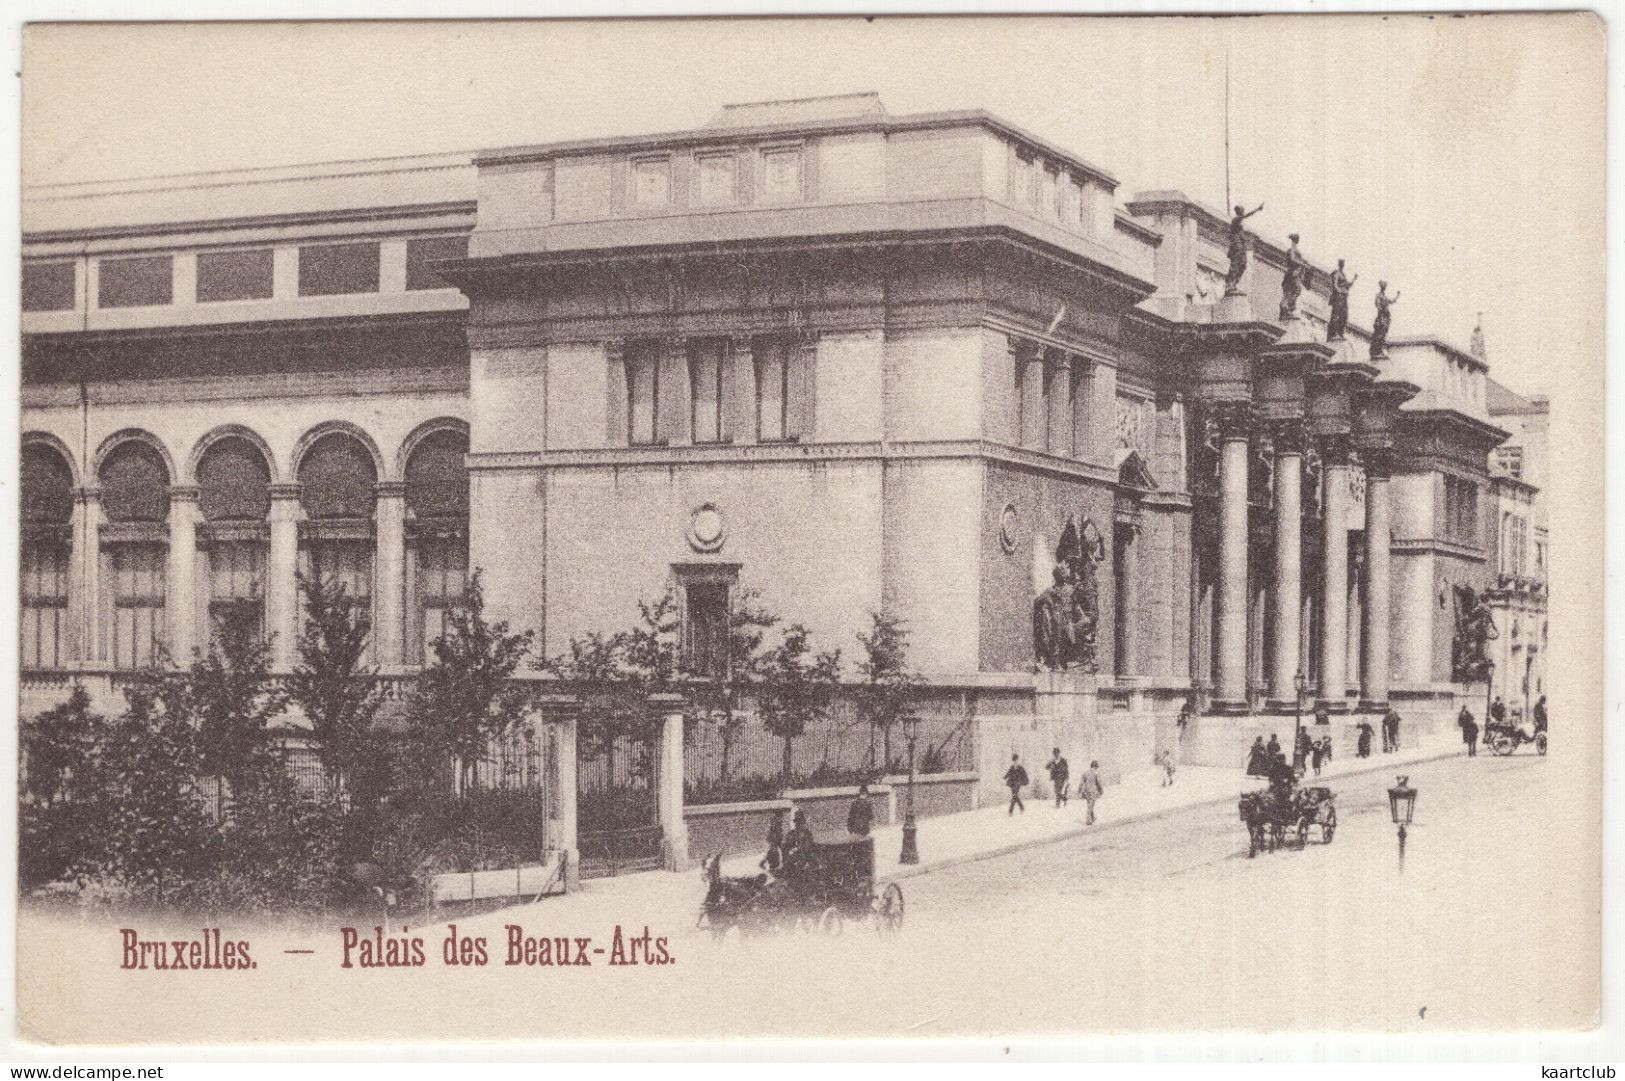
(824, 886)
(1504, 738)
(1280, 812)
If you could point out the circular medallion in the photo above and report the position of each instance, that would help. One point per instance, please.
(1007, 527)
(705, 528)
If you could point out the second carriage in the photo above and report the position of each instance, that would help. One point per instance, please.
(824, 887)
(1280, 814)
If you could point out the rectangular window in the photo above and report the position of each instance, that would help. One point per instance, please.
(705, 629)
(781, 175)
(138, 583)
(424, 252)
(47, 287)
(236, 586)
(642, 393)
(45, 605)
(651, 181)
(705, 369)
(442, 577)
(334, 269)
(718, 178)
(772, 377)
(234, 275)
(143, 282)
(349, 563)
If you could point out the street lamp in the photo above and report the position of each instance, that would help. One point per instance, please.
(911, 850)
(1489, 682)
(1402, 803)
(1300, 684)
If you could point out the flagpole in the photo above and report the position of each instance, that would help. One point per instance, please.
(1227, 128)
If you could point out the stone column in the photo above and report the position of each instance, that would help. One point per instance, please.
(1034, 421)
(1231, 679)
(1288, 591)
(1374, 636)
(673, 828)
(564, 836)
(1335, 567)
(1059, 373)
(1129, 618)
(182, 599)
(281, 577)
(388, 634)
(85, 589)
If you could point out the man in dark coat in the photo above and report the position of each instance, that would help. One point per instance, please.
(1273, 747)
(1469, 731)
(1015, 778)
(1540, 714)
(1498, 711)
(1258, 759)
(1363, 746)
(1059, 774)
(860, 817)
(798, 845)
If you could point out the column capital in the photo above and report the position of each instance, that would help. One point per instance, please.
(1379, 462)
(1234, 419)
(1335, 450)
(286, 491)
(741, 343)
(615, 350)
(390, 489)
(184, 493)
(90, 494)
(1059, 359)
(1291, 436)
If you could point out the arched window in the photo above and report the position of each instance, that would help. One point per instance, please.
(437, 513)
(135, 499)
(339, 496)
(47, 511)
(234, 494)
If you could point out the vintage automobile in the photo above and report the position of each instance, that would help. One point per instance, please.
(829, 884)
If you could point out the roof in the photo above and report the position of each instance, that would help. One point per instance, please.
(233, 195)
(1503, 399)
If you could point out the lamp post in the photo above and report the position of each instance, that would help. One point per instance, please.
(1300, 684)
(1402, 803)
(911, 850)
(1489, 682)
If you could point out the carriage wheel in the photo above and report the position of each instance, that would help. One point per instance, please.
(832, 922)
(889, 913)
(1540, 742)
(1503, 745)
(1328, 827)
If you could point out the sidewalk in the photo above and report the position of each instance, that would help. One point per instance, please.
(948, 840)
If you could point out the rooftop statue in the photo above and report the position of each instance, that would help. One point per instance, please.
(1292, 280)
(1379, 327)
(1238, 251)
(1338, 324)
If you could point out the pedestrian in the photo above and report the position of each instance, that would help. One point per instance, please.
(1090, 788)
(860, 817)
(1185, 712)
(1165, 760)
(1362, 746)
(1317, 751)
(1300, 750)
(1469, 731)
(1273, 747)
(1258, 759)
(1540, 715)
(1015, 778)
(1059, 773)
(1392, 721)
(1326, 749)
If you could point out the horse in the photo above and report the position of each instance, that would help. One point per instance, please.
(730, 901)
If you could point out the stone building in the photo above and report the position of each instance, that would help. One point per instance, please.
(855, 360)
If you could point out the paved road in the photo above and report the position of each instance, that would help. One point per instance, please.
(1152, 926)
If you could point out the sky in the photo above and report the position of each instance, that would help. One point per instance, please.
(1460, 159)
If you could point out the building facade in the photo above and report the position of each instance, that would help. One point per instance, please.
(927, 364)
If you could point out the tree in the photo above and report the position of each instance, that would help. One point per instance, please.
(615, 674)
(467, 698)
(57, 813)
(154, 833)
(335, 690)
(885, 696)
(796, 688)
(721, 694)
(228, 698)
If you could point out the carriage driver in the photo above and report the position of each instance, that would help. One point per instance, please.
(797, 844)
